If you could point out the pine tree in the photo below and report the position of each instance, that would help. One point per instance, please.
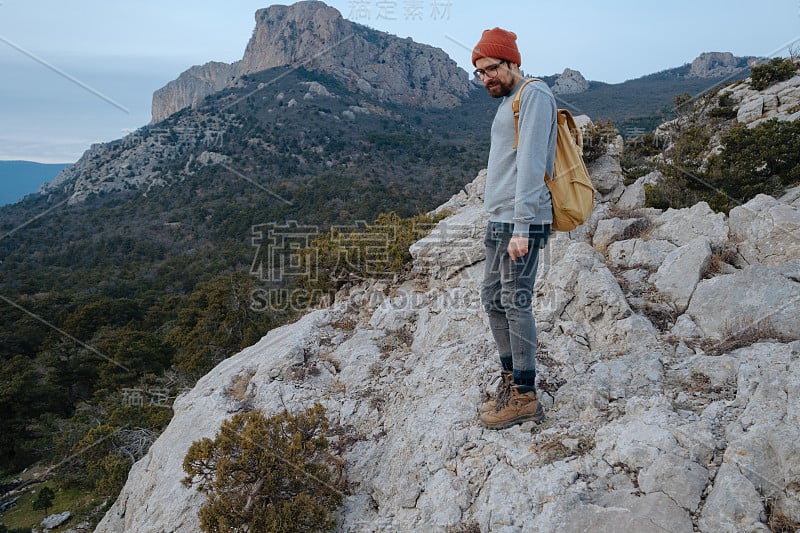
(44, 499)
(266, 474)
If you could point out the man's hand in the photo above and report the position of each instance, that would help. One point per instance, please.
(517, 247)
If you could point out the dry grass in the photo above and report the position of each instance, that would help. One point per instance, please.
(328, 357)
(471, 527)
(640, 229)
(721, 255)
(777, 521)
(744, 332)
(238, 387)
(553, 449)
(346, 324)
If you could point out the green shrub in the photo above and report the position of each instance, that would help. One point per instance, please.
(687, 152)
(760, 160)
(596, 138)
(6, 529)
(378, 250)
(266, 474)
(636, 153)
(764, 159)
(725, 113)
(44, 499)
(216, 320)
(775, 70)
(670, 192)
(726, 107)
(726, 100)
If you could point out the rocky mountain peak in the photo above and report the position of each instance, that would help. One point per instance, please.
(716, 64)
(314, 36)
(570, 82)
(284, 35)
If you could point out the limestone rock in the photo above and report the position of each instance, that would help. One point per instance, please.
(582, 121)
(680, 226)
(634, 196)
(639, 441)
(767, 230)
(716, 64)
(55, 520)
(570, 82)
(686, 328)
(585, 232)
(622, 511)
(760, 445)
(791, 196)
(610, 230)
(191, 87)
(581, 292)
(755, 296)
(606, 174)
(778, 101)
(456, 242)
(750, 111)
(733, 505)
(760, 462)
(632, 253)
(681, 270)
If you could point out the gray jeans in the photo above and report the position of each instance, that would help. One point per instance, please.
(507, 297)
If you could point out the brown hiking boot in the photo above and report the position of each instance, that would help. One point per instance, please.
(503, 389)
(516, 408)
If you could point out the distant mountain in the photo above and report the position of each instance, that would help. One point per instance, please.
(19, 178)
(639, 105)
(317, 37)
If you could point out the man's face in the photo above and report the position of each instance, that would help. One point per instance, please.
(502, 82)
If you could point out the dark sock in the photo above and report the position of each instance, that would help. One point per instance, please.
(507, 362)
(525, 380)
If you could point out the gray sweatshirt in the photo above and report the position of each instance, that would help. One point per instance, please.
(515, 188)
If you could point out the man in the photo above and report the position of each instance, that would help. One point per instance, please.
(520, 214)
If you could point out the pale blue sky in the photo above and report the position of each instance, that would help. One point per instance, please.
(112, 55)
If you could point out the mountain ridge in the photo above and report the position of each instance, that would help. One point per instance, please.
(313, 35)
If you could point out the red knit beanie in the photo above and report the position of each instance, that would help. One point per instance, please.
(498, 43)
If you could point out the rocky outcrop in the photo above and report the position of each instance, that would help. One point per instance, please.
(570, 82)
(767, 230)
(315, 36)
(716, 65)
(634, 196)
(646, 429)
(780, 101)
(55, 520)
(191, 87)
(606, 173)
(137, 160)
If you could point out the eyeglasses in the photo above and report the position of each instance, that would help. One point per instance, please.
(489, 72)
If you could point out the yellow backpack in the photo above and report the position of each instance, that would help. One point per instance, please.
(570, 186)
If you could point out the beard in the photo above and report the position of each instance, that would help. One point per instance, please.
(498, 88)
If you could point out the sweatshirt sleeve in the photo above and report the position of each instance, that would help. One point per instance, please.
(537, 121)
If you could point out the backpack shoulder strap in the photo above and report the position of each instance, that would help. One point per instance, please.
(565, 117)
(515, 108)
